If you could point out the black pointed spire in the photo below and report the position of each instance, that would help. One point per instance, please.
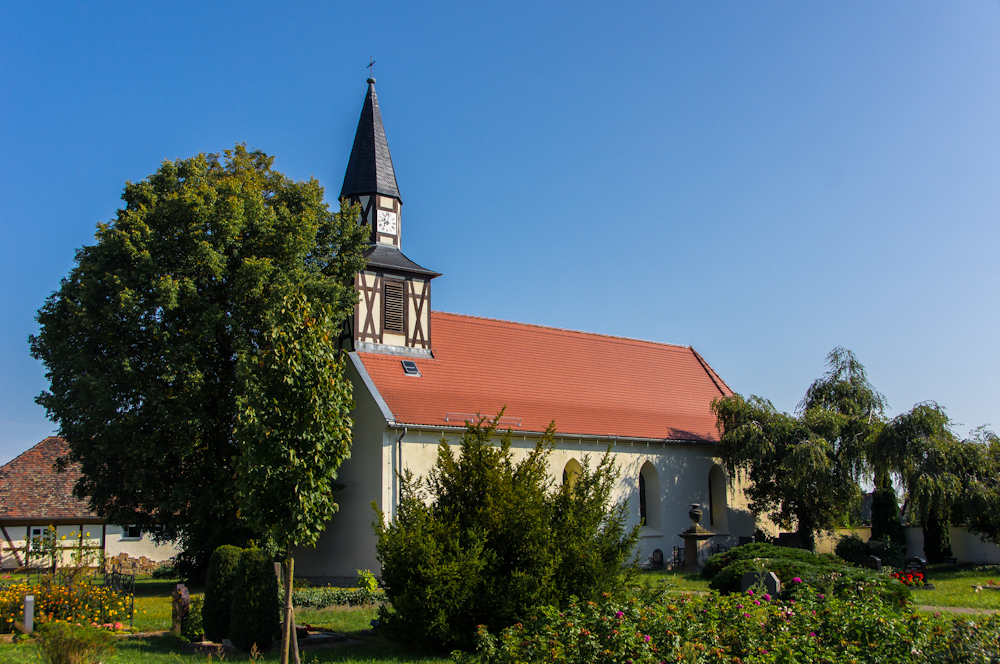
(370, 169)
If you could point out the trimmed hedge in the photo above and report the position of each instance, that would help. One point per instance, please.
(219, 592)
(320, 597)
(256, 609)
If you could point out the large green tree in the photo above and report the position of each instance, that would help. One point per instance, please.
(143, 341)
(804, 469)
(293, 431)
(948, 479)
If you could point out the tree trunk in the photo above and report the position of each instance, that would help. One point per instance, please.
(886, 525)
(806, 533)
(286, 623)
(937, 538)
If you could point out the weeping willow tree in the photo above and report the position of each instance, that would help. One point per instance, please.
(947, 479)
(804, 469)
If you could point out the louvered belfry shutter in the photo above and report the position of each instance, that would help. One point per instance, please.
(392, 310)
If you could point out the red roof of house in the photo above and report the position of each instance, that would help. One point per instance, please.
(590, 384)
(30, 488)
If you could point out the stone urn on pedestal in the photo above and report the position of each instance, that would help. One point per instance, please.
(695, 541)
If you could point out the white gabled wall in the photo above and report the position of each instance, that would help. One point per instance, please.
(348, 543)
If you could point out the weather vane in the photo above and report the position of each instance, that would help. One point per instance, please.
(371, 66)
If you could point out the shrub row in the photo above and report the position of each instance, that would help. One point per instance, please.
(810, 626)
(726, 571)
(853, 549)
(241, 598)
(321, 597)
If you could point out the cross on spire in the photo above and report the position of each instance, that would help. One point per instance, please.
(371, 67)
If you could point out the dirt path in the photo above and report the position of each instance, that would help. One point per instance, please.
(954, 609)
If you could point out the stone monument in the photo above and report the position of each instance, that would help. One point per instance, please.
(695, 541)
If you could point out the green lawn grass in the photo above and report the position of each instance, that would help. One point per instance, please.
(953, 587)
(152, 613)
(675, 580)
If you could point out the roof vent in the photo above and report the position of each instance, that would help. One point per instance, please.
(410, 368)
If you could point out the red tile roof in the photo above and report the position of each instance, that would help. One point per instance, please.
(590, 384)
(30, 488)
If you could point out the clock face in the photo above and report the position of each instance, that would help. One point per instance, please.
(386, 222)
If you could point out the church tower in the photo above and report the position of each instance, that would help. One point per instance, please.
(393, 312)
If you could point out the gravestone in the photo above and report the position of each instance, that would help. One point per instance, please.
(657, 559)
(746, 540)
(789, 540)
(180, 607)
(771, 583)
(872, 562)
(916, 565)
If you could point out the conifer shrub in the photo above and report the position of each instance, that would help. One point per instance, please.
(255, 614)
(495, 538)
(219, 592)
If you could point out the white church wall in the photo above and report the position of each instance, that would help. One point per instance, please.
(682, 472)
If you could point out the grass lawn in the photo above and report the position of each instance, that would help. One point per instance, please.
(953, 586)
(152, 608)
(675, 580)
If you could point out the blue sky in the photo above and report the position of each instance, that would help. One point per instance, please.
(763, 181)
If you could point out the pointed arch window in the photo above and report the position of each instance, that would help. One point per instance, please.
(649, 497)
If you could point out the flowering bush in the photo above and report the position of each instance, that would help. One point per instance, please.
(68, 596)
(66, 643)
(808, 627)
(909, 578)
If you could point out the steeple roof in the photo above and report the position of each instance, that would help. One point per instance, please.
(370, 169)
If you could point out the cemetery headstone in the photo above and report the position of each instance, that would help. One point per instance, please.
(916, 565)
(657, 559)
(29, 614)
(872, 562)
(770, 581)
(180, 607)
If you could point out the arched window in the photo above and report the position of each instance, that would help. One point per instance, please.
(649, 497)
(718, 507)
(571, 471)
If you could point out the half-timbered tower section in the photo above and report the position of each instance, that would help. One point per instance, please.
(394, 304)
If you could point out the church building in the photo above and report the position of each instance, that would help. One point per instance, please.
(420, 374)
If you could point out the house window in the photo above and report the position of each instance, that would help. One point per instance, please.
(131, 532)
(392, 306)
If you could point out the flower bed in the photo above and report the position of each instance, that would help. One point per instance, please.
(64, 597)
(909, 578)
(809, 626)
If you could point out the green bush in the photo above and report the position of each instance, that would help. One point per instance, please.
(255, 614)
(851, 548)
(819, 571)
(67, 643)
(318, 598)
(890, 553)
(191, 625)
(495, 539)
(219, 591)
(719, 561)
